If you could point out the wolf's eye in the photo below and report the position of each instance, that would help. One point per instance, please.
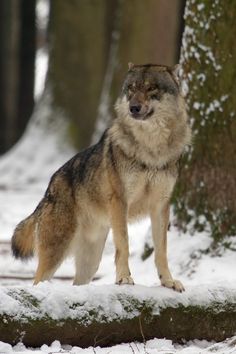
(152, 88)
(130, 90)
(153, 93)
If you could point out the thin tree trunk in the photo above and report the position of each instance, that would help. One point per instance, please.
(26, 64)
(17, 57)
(9, 71)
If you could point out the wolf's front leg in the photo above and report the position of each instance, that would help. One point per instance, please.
(160, 219)
(118, 215)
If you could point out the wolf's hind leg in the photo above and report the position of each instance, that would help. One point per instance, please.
(160, 221)
(55, 232)
(47, 266)
(50, 258)
(88, 252)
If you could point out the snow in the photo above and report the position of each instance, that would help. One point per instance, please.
(154, 346)
(40, 71)
(200, 7)
(42, 13)
(107, 302)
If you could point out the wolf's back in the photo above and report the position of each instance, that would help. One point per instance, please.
(22, 242)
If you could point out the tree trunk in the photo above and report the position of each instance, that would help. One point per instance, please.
(107, 315)
(9, 71)
(77, 60)
(26, 64)
(17, 56)
(206, 192)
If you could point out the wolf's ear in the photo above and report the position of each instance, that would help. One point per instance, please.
(176, 72)
(130, 66)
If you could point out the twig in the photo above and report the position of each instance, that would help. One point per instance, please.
(30, 277)
(101, 339)
(131, 348)
(137, 346)
(141, 330)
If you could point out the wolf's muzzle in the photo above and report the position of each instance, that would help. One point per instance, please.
(135, 110)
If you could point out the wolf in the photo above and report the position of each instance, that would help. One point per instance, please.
(129, 174)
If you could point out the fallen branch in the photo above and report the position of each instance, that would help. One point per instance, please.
(106, 315)
(31, 277)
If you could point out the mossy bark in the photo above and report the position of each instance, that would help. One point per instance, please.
(140, 321)
(206, 192)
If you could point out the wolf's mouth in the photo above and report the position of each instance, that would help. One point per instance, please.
(142, 116)
(149, 114)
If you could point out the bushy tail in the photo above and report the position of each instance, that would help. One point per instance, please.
(22, 242)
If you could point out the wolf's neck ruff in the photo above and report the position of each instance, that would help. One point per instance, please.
(157, 142)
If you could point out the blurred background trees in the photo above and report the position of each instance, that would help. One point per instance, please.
(90, 44)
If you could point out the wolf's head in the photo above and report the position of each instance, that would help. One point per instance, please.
(147, 89)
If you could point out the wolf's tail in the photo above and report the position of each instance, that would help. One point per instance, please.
(23, 239)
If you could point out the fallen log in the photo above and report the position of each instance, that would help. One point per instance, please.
(108, 314)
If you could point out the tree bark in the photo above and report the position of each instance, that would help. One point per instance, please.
(206, 192)
(77, 60)
(17, 64)
(26, 64)
(122, 314)
(9, 71)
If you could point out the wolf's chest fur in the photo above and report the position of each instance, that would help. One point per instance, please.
(142, 185)
(143, 190)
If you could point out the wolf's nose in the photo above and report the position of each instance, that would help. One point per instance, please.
(135, 109)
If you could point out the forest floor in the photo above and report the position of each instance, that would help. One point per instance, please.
(24, 175)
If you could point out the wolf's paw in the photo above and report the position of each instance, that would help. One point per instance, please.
(125, 280)
(173, 284)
